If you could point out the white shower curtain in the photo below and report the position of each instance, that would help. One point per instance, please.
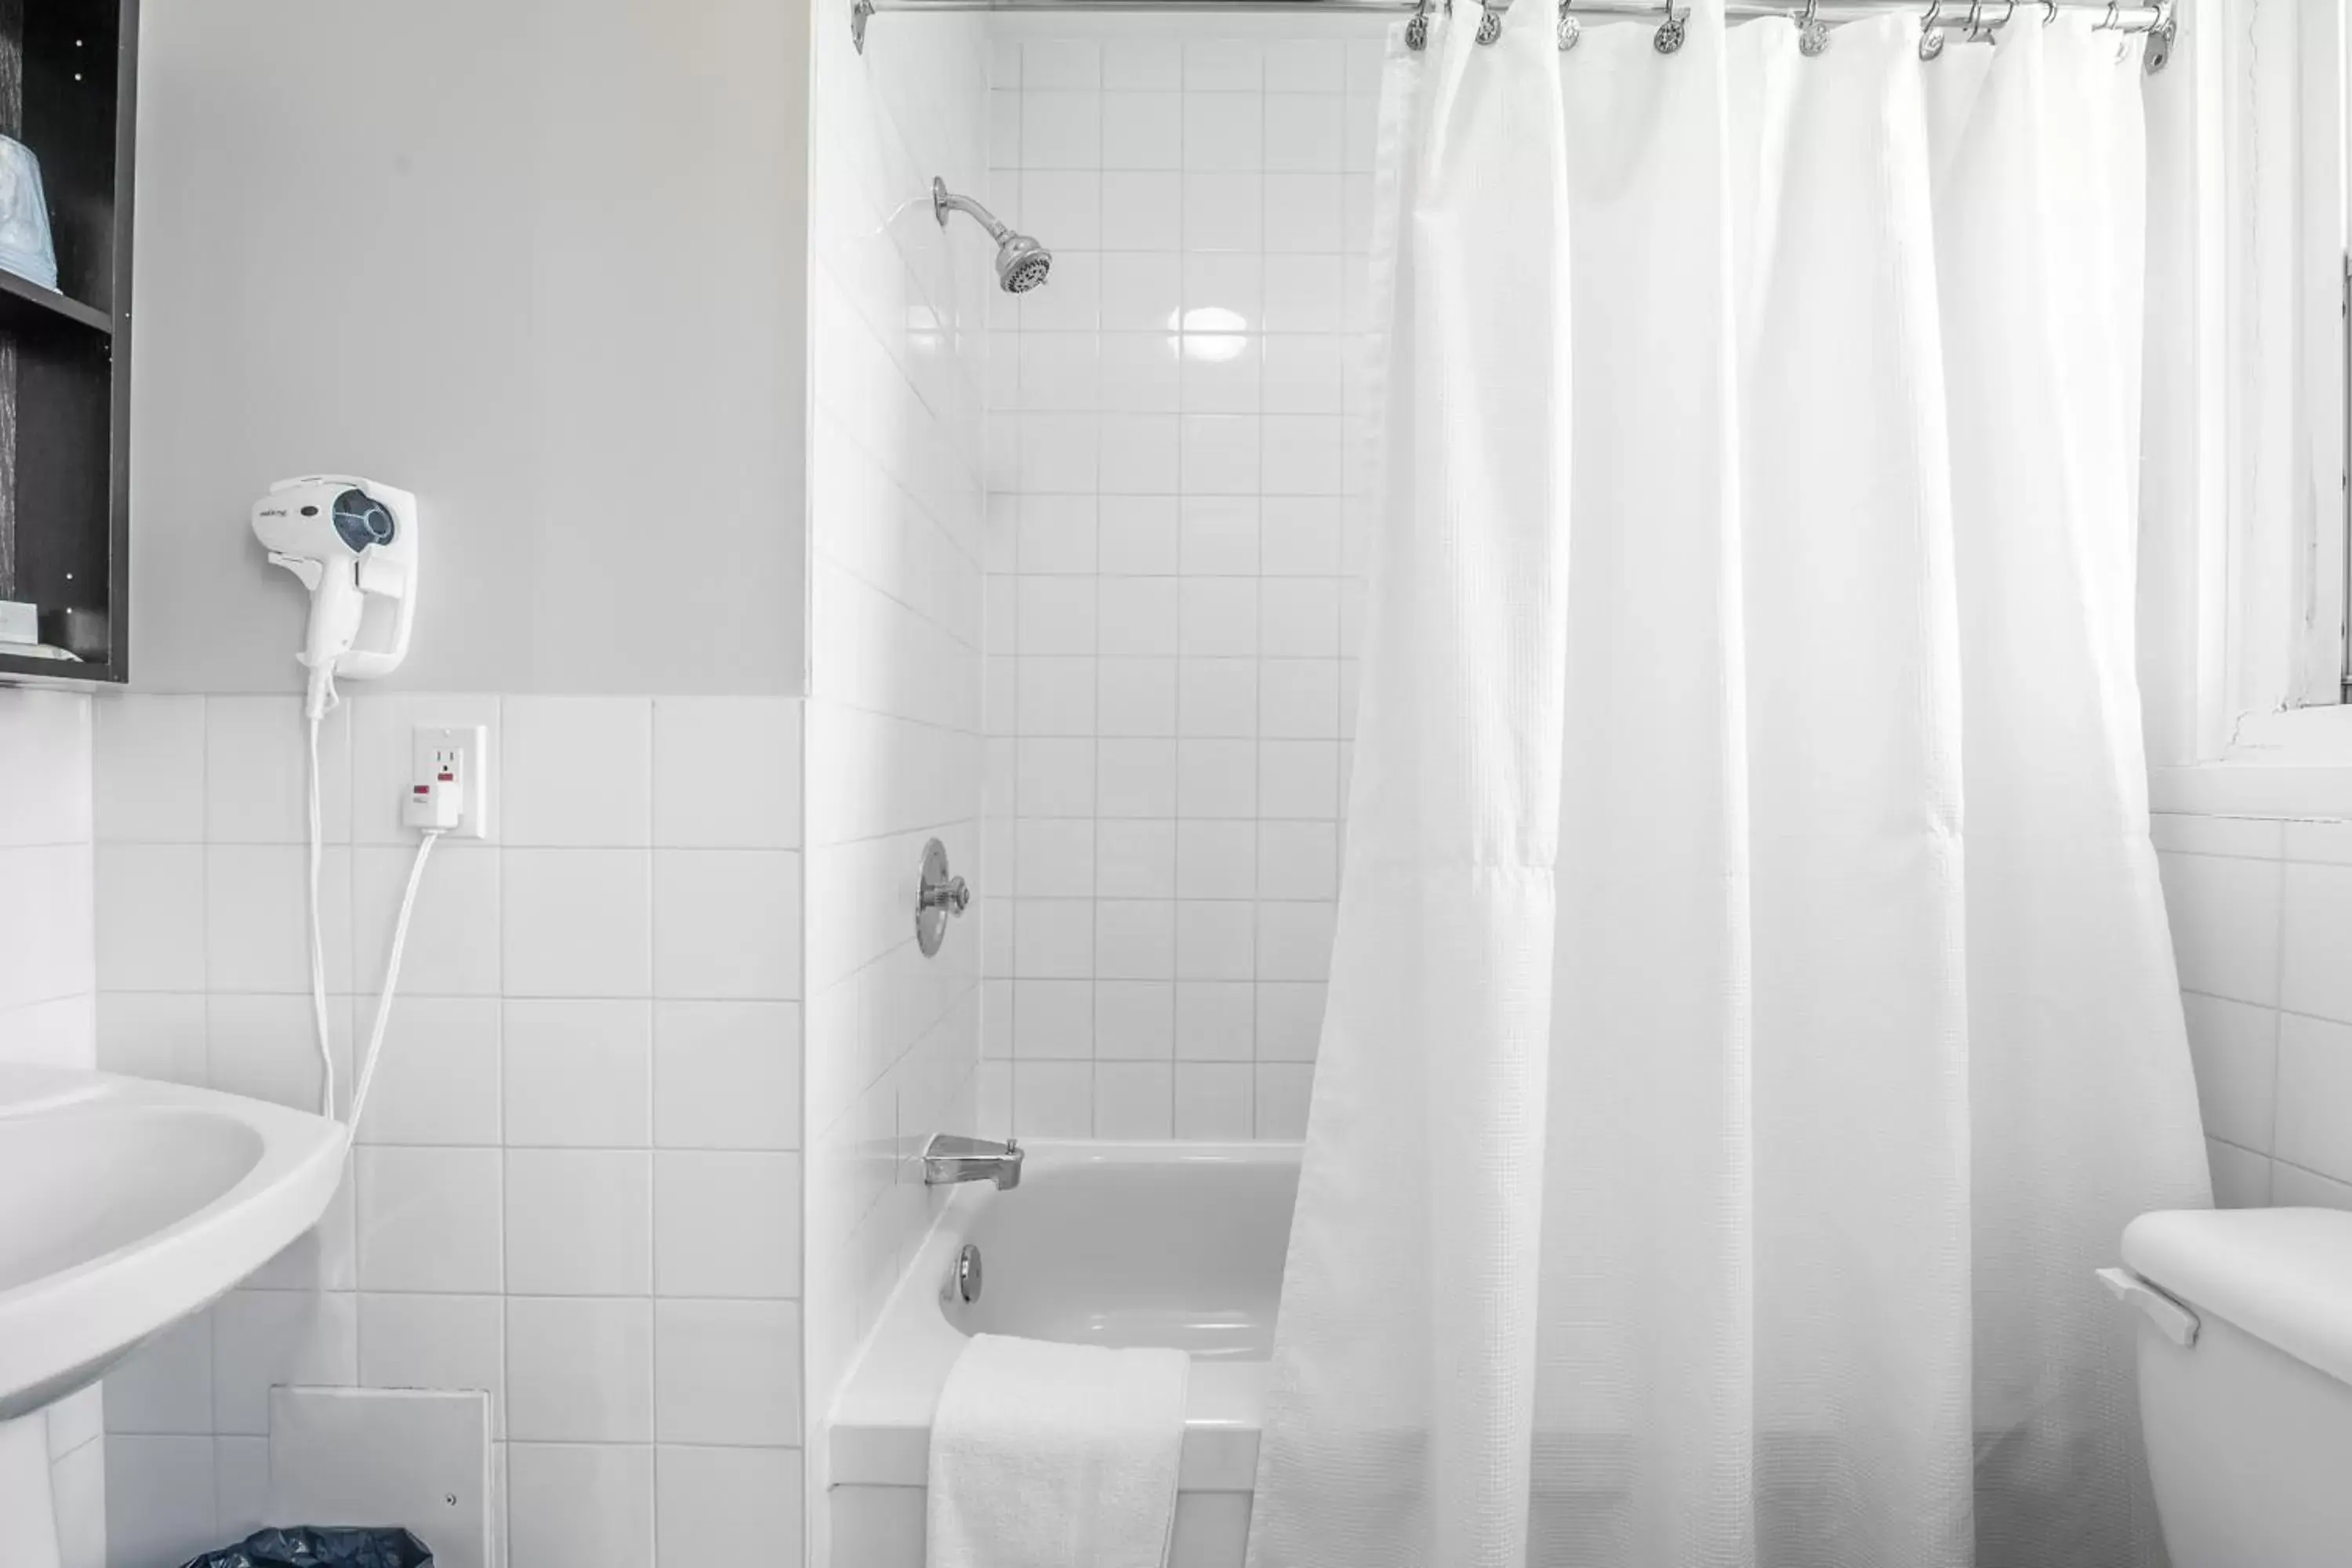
(1752, 1016)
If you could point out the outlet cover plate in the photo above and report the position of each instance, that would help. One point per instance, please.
(416, 1457)
(472, 744)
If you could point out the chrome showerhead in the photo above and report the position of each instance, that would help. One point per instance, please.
(1021, 262)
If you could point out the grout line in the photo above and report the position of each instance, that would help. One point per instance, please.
(2251, 859)
(653, 1281)
(2277, 1029)
(2276, 1021)
(2307, 1170)
(2268, 1007)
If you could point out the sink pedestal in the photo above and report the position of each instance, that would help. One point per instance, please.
(28, 1522)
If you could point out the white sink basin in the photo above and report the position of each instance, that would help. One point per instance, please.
(124, 1207)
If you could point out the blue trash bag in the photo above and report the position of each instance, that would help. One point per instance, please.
(311, 1547)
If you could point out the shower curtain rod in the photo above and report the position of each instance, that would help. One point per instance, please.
(1959, 15)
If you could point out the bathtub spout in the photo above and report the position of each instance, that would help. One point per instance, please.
(950, 1157)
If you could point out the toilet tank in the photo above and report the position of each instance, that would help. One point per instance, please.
(2249, 1427)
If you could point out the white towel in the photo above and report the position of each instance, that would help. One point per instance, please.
(1053, 1456)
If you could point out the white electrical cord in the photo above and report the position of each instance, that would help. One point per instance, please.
(391, 978)
(318, 942)
(321, 701)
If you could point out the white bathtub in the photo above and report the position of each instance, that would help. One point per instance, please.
(1108, 1243)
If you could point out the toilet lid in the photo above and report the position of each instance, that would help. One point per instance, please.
(2283, 1276)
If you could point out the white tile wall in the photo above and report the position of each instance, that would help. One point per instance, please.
(47, 1013)
(2261, 917)
(1174, 570)
(896, 309)
(579, 1178)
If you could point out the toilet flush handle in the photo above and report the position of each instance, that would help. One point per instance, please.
(2172, 1320)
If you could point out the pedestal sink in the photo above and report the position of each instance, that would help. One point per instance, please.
(124, 1207)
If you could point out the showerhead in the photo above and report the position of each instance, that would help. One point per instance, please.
(1021, 262)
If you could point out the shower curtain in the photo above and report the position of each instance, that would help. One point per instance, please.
(1751, 1016)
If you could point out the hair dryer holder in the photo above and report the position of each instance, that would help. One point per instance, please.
(352, 543)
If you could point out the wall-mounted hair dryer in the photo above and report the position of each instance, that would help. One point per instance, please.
(352, 542)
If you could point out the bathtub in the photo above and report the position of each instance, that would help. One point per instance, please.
(1105, 1244)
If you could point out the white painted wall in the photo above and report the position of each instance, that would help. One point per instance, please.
(1174, 566)
(894, 711)
(47, 977)
(539, 261)
(544, 263)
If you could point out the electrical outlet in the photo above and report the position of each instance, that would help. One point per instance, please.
(456, 760)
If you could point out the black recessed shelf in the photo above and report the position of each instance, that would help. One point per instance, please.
(68, 76)
(29, 307)
(14, 665)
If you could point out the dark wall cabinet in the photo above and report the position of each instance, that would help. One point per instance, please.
(67, 79)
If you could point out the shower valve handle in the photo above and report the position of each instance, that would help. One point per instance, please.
(951, 895)
(938, 897)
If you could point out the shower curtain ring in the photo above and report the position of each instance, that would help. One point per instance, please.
(1812, 33)
(1416, 32)
(1570, 29)
(2113, 21)
(1977, 32)
(1490, 23)
(2161, 34)
(1672, 30)
(1931, 31)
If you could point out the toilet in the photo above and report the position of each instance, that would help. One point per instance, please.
(2245, 1381)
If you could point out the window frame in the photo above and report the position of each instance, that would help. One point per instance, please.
(2246, 546)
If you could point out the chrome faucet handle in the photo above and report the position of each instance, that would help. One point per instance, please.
(938, 896)
(951, 895)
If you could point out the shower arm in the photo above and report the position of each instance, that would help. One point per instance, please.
(944, 201)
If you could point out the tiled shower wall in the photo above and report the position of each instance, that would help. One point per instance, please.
(1174, 569)
(2261, 924)
(48, 978)
(577, 1186)
(896, 505)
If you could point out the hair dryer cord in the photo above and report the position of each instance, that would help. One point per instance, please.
(367, 1061)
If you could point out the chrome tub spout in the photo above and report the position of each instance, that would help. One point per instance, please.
(952, 1157)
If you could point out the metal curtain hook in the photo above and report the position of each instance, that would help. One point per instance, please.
(2112, 21)
(1416, 32)
(1931, 31)
(1984, 32)
(1812, 33)
(2049, 12)
(1490, 23)
(2162, 34)
(1570, 29)
(1672, 30)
